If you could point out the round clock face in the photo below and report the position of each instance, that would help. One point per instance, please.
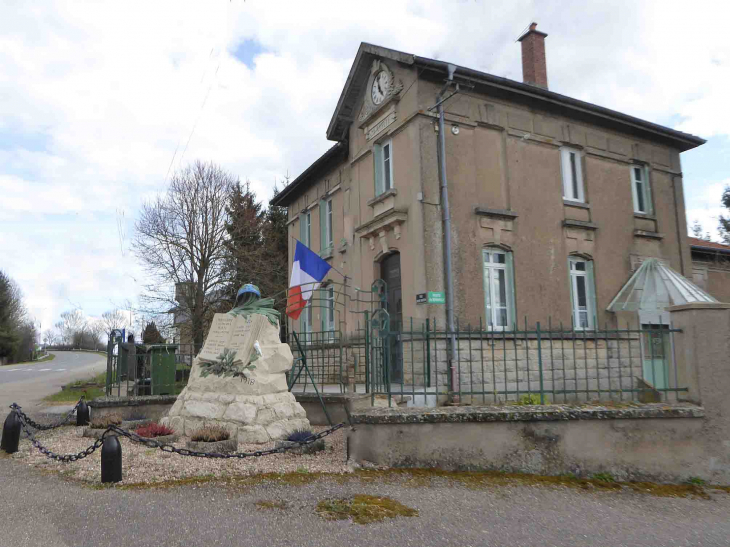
(381, 84)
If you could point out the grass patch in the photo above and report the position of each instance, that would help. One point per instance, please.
(427, 477)
(90, 388)
(603, 477)
(49, 357)
(271, 504)
(363, 509)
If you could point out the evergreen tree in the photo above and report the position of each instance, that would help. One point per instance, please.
(151, 335)
(12, 314)
(724, 221)
(245, 239)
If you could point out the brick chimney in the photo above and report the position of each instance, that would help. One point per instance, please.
(534, 66)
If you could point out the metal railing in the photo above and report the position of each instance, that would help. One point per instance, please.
(528, 365)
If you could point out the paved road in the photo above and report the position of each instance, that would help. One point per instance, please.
(28, 384)
(42, 509)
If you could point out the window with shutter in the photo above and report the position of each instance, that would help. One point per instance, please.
(499, 301)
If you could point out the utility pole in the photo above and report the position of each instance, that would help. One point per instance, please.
(448, 264)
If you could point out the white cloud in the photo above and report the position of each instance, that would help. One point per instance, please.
(103, 95)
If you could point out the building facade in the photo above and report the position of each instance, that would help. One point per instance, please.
(711, 267)
(554, 202)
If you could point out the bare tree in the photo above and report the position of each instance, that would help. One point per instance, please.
(114, 319)
(49, 337)
(71, 323)
(180, 239)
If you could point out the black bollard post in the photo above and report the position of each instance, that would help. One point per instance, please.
(82, 414)
(111, 460)
(11, 433)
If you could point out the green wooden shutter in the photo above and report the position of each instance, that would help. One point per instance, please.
(322, 226)
(512, 309)
(647, 192)
(572, 299)
(379, 182)
(303, 231)
(591, 282)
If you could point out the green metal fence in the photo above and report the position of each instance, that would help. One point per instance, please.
(539, 364)
(147, 369)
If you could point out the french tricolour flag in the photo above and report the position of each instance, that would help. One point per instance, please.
(307, 273)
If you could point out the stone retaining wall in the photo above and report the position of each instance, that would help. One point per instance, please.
(643, 442)
(153, 407)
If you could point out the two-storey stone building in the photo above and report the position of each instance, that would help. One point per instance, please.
(553, 201)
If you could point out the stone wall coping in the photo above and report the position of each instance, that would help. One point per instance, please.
(311, 397)
(525, 413)
(141, 400)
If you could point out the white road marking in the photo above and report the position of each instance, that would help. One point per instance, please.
(44, 370)
(60, 370)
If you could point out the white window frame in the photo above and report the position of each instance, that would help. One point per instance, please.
(588, 281)
(490, 279)
(645, 189)
(328, 224)
(572, 174)
(383, 167)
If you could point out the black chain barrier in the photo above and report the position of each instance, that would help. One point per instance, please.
(151, 443)
(44, 427)
(58, 457)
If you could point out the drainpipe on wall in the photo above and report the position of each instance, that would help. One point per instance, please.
(447, 239)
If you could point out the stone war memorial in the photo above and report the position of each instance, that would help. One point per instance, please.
(238, 380)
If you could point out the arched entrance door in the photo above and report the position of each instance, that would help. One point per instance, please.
(390, 273)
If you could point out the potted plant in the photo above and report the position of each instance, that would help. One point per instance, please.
(156, 432)
(294, 439)
(213, 438)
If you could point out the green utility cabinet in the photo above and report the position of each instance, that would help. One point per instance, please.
(162, 368)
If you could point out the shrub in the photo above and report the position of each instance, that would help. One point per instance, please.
(531, 399)
(105, 421)
(211, 434)
(154, 430)
(299, 435)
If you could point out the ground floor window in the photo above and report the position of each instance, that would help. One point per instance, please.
(582, 293)
(498, 288)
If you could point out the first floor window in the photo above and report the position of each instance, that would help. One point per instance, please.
(305, 228)
(640, 189)
(498, 288)
(325, 226)
(582, 293)
(383, 167)
(572, 174)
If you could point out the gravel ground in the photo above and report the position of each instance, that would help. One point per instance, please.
(150, 465)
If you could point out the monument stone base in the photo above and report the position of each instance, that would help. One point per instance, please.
(256, 418)
(258, 406)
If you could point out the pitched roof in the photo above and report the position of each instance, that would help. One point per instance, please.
(701, 244)
(654, 287)
(333, 155)
(345, 112)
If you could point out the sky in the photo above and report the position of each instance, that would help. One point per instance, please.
(101, 101)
